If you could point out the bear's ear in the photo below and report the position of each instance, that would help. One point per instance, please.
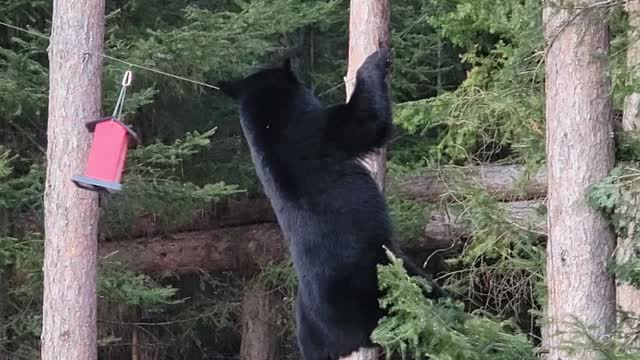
(229, 88)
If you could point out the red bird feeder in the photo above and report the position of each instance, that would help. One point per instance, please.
(107, 155)
(108, 149)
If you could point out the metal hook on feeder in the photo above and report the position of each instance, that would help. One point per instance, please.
(126, 82)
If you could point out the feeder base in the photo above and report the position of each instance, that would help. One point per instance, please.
(89, 183)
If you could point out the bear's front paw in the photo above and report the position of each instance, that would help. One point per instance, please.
(380, 60)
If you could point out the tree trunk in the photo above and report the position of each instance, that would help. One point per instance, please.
(369, 30)
(260, 330)
(71, 214)
(579, 150)
(144, 344)
(628, 297)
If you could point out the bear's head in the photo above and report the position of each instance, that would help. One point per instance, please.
(278, 80)
(271, 100)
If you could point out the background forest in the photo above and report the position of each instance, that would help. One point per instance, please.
(190, 254)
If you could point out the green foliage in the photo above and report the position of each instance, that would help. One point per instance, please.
(624, 79)
(618, 197)
(500, 105)
(125, 287)
(417, 326)
(628, 145)
(18, 193)
(502, 267)
(23, 82)
(278, 276)
(204, 44)
(24, 256)
(160, 160)
(408, 218)
(425, 64)
(156, 186)
(620, 344)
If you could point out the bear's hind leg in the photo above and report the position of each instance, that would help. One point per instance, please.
(310, 340)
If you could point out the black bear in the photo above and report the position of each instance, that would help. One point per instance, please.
(330, 209)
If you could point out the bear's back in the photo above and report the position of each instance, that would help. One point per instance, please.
(335, 203)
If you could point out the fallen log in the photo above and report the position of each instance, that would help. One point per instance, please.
(248, 248)
(243, 249)
(443, 228)
(226, 213)
(502, 182)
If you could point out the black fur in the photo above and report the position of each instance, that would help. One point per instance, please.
(328, 206)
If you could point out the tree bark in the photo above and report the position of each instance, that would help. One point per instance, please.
(628, 297)
(71, 214)
(144, 344)
(260, 330)
(220, 214)
(369, 31)
(242, 249)
(579, 149)
(502, 182)
(247, 248)
(443, 228)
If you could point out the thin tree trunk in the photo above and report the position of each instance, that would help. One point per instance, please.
(260, 330)
(144, 344)
(71, 214)
(628, 297)
(369, 30)
(579, 150)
